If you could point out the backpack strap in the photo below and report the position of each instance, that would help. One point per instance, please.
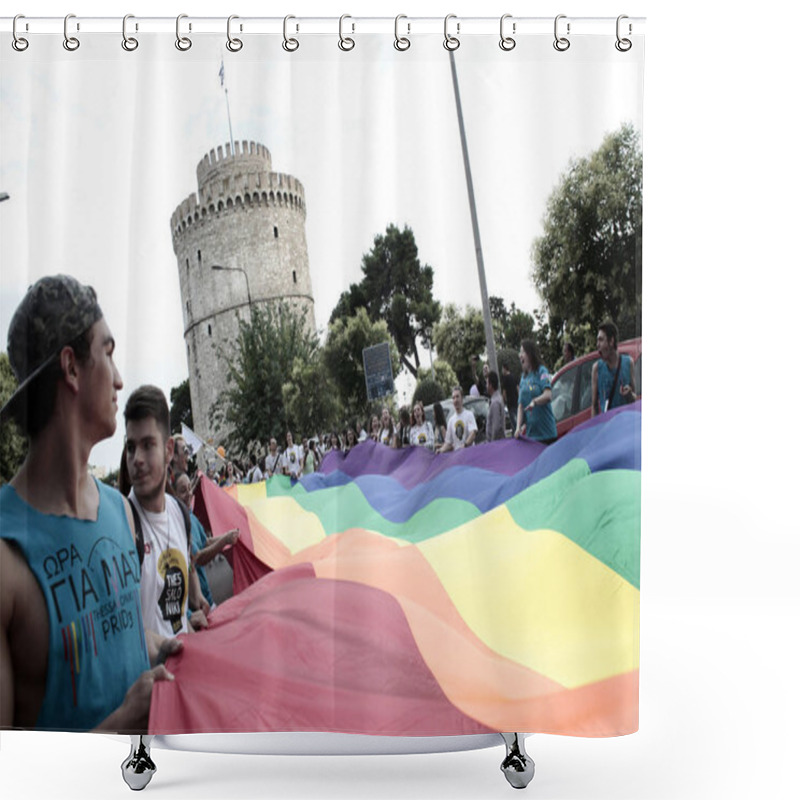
(187, 521)
(137, 529)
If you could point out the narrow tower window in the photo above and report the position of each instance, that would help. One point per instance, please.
(275, 231)
(199, 258)
(209, 329)
(294, 275)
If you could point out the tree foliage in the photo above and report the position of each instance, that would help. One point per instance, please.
(263, 355)
(311, 398)
(342, 358)
(396, 288)
(445, 375)
(457, 336)
(180, 410)
(587, 263)
(428, 391)
(13, 445)
(511, 325)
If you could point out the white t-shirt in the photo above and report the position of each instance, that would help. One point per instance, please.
(255, 475)
(273, 463)
(292, 460)
(164, 587)
(459, 427)
(422, 435)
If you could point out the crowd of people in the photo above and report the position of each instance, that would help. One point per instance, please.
(95, 583)
(528, 403)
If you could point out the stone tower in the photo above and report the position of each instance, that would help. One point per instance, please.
(251, 220)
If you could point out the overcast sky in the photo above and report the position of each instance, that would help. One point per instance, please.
(99, 147)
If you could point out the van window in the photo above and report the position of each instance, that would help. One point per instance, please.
(563, 394)
(585, 387)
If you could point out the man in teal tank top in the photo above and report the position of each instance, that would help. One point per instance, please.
(73, 650)
(612, 375)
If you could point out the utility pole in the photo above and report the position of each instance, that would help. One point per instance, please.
(476, 235)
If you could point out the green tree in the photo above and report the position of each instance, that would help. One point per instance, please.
(396, 288)
(519, 326)
(587, 263)
(261, 358)
(311, 398)
(13, 445)
(457, 337)
(428, 391)
(180, 410)
(342, 357)
(445, 375)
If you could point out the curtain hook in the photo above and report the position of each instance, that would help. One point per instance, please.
(19, 43)
(346, 43)
(561, 43)
(623, 45)
(506, 42)
(183, 43)
(234, 45)
(289, 45)
(401, 42)
(451, 42)
(129, 43)
(70, 42)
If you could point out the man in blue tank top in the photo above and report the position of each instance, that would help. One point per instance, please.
(612, 376)
(73, 649)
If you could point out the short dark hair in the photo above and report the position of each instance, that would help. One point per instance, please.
(494, 381)
(37, 408)
(610, 330)
(148, 401)
(570, 348)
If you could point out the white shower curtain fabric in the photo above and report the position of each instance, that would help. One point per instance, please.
(398, 592)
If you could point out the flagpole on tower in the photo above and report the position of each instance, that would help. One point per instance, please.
(227, 102)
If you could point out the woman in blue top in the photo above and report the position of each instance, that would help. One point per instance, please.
(535, 412)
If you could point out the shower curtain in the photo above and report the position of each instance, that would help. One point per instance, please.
(315, 196)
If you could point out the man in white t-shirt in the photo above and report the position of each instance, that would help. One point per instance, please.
(461, 427)
(169, 584)
(272, 461)
(292, 458)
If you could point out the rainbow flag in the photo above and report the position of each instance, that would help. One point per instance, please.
(396, 592)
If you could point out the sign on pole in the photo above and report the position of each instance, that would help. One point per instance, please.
(378, 371)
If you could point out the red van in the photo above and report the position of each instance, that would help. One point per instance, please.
(572, 386)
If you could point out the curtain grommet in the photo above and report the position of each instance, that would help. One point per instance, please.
(19, 43)
(182, 43)
(70, 43)
(289, 44)
(346, 43)
(401, 43)
(507, 43)
(451, 43)
(561, 43)
(233, 44)
(129, 43)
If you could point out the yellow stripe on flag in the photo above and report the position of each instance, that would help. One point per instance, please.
(539, 599)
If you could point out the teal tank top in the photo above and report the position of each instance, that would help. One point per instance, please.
(89, 575)
(605, 379)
